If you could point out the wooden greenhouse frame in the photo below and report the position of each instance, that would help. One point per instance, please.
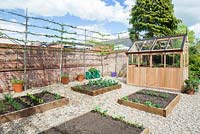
(160, 62)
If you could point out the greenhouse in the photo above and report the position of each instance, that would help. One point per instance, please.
(158, 62)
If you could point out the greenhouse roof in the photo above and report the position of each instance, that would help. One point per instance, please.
(159, 44)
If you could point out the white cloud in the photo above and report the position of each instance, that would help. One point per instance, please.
(188, 11)
(196, 29)
(85, 9)
(99, 10)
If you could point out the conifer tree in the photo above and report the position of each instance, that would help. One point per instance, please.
(152, 18)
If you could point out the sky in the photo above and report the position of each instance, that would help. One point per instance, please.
(106, 16)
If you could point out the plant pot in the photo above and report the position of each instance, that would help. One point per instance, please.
(80, 77)
(18, 87)
(113, 74)
(64, 80)
(190, 92)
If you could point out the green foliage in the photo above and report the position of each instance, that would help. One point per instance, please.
(26, 102)
(2, 106)
(125, 98)
(165, 96)
(153, 93)
(117, 118)
(11, 101)
(135, 100)
(78, 86)
(36, 99)
(153, 18)
(194, 67)
(99, 110)
(17, 81)
(57, 96)
(182, 30)
(64, 75)
(151, 104)
(102, 82)
(191, 83)
(194, 61)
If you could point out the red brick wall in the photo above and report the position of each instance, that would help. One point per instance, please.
(43, 64)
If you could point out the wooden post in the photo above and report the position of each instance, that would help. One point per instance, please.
(165, 60)
(181, 60)
(25, 51)
(139, 60)
(127, 68)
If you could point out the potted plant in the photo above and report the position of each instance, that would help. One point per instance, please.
(17, 85)
(64, 78)
(190, 86)
(80, 77)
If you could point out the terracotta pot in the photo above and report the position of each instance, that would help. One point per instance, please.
(191, 92)
(18, 87)
(80, 77)
(64, 80)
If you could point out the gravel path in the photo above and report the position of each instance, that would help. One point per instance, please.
(185, 118)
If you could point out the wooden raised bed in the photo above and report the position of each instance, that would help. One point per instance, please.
(159, 111)
(98, 91)
(33, 110)
(96, 124)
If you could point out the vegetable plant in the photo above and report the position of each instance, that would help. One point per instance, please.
(156, 94)
(78, 86)
(118, 118)
(125, 98)
(36, 99)
(151, 104)
(99, 110)
(2, 107)
(11, 101)
(57, 96)
(135, 100)
(25, 101)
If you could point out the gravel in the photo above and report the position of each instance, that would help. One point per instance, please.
(185, 118)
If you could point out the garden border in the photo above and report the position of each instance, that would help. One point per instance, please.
(33, 110)
(97, 92)
(159, 111)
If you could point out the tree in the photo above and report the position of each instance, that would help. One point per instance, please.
(182, 28)
(152, 18)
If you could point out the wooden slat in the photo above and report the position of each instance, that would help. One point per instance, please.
(172, 78)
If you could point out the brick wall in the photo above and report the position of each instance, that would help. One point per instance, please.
(43, 64)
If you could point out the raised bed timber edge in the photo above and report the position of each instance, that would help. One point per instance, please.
(33, 110)
(98, 91)
(159, 111)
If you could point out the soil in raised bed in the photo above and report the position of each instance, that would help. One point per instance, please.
(93, 123)
(155, 99)
(46, 96)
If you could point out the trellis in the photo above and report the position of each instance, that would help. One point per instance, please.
(23, 42)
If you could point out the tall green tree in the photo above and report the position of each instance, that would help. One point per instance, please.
(182, 29)
(153, 18)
